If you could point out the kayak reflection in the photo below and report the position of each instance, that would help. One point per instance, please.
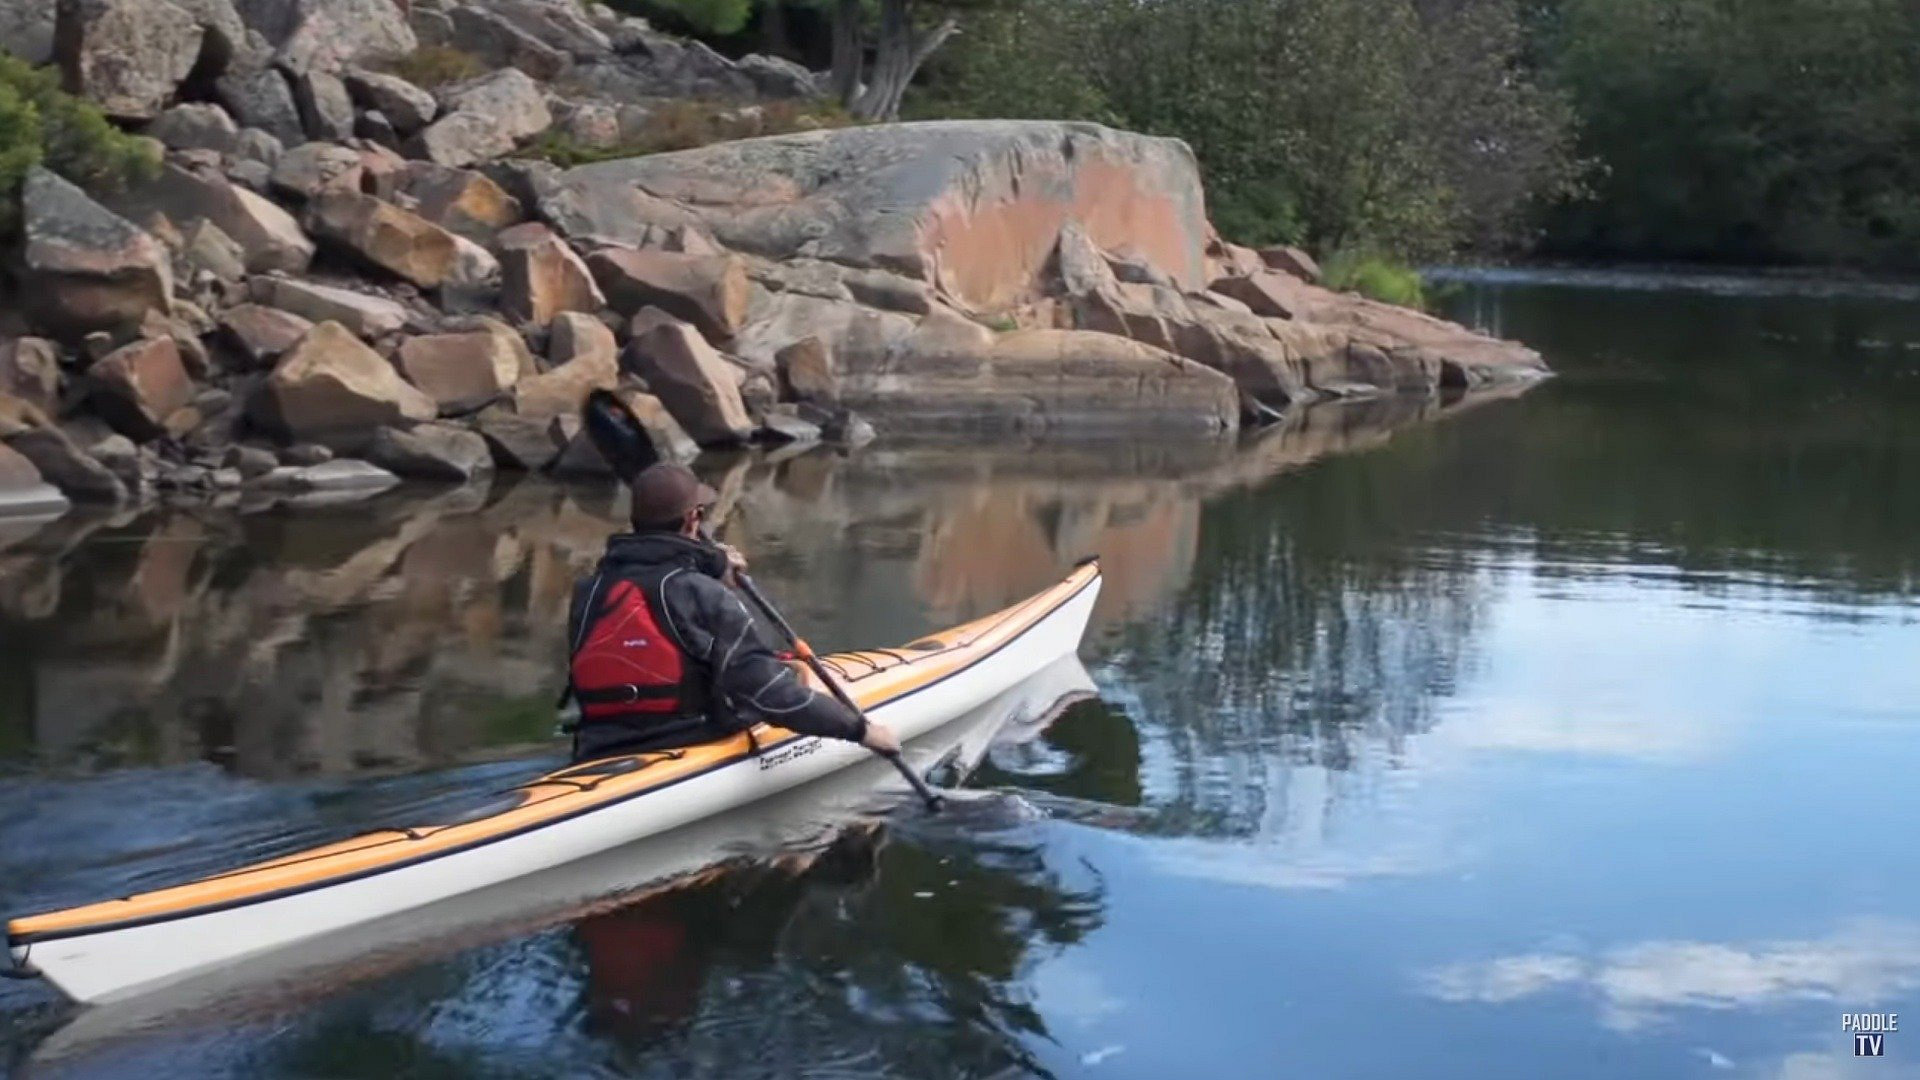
(643, 892)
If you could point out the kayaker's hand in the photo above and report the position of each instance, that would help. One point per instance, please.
(881, 739)
(736, 562)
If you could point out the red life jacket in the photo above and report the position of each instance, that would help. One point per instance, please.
(627, 664)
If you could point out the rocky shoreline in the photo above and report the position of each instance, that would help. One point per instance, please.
(339, 278)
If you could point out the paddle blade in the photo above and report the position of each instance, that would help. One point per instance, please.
(617, 434)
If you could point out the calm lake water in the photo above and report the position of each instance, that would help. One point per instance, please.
(1570, 735)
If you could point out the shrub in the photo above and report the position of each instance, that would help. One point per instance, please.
(432, 66)
(1374, 275)
(685, 125)
(42, 125)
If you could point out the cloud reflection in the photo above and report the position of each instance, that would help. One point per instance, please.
(1863, 962)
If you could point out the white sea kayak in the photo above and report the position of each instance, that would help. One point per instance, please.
(133, 945)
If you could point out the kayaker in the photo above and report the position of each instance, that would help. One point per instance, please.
(666, 654)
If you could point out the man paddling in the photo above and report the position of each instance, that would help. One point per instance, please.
(665, 654)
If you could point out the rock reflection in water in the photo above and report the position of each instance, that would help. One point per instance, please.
(406, 630)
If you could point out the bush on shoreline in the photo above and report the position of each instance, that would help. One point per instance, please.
(1376, 276)
(42, 125)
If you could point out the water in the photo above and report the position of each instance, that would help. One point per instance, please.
(1570, 735)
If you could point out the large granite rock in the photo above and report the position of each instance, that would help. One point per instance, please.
(462, 201)
(711, 292)
(26, 30)
(260, 334)
(22, 491)
(126, 56)
(698, 387)
(974, 207)
(430, 452)
(87, 269)
(262, 99)
(328, 35)
(316, 169)
(330, 383)
(541, 277)
(484, 118)
(407, 107)
(1048, 380)
(30, 371)
(272, 239)
(138, 387)
(368, 316)
(196, 126)
(395, 240)
(464, 371)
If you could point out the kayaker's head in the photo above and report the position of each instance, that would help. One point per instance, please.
(667, 497)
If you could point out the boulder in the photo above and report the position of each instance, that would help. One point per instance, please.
(317, 168)
(262, 100)
(474, 267)
(462, 201)
(22, 492)
(407, 107)
(782, 424)
(564, 389)
(540, 277)
(341, 475)
(261, 146)
(1268, 295)
(484, 118)
(206, 249)
(670, 440)
(482, 33)
(126, 56)
(524, 443)
(195, 126)
(974, 208)
(776, 77)
(332, 383)
(261, 334)
(26, 431)
(271, 237)
(430, 452)
(462, 372)
(697, 386)
(30, 371)
(328, 35)
(398, 241)
(575, 336)
(1288, 259)
(1046, 380)
(85, 268)
(249, 461)
(806, 372)
(26, 30)
(326, 109)
(368, 316)
(382, 172)
(711, 292)
(137, 387)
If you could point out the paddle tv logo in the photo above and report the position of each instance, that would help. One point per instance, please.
(1869, 1031)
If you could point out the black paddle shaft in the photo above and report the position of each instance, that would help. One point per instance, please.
(927, 794)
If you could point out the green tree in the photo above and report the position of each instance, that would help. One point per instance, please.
(1754, 130)
(1410, 127)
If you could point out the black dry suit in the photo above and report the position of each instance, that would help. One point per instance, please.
(664, 654)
